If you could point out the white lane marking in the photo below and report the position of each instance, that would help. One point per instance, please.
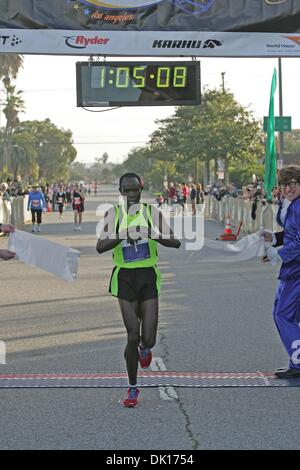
(166, 393)
(263, 377)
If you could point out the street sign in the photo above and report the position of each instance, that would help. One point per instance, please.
(282, 123)
(279, 164)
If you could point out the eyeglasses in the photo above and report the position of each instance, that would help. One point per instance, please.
(290, 184)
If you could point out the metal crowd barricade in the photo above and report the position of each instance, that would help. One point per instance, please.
(240, 209)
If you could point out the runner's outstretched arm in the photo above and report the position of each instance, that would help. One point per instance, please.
(164, 230)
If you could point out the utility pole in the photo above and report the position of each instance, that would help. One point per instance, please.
(223, 82)
(281, 134)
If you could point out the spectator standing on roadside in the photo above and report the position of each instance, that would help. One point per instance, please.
(171, 194)
(179, 196)
(193, 196)
(185, 193)
(160, 200)
(9, 182)
(4, 192)
(16, 187)
(200, 194)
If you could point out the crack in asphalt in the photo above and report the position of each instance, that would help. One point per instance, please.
(188, 424)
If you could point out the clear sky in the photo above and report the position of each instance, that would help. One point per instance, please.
(49, 86)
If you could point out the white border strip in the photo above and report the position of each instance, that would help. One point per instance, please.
(149, 43)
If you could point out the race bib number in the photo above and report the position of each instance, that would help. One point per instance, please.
(136, 252)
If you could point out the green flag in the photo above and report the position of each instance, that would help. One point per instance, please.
(270, 178)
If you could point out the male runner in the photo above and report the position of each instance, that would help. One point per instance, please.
(133, 230)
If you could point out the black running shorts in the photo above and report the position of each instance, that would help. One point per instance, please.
(135, 284)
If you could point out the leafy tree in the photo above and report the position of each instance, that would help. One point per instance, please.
(292, 141)
(78, 171)
(159, 170)
(220, 129)
(96, 170)
(107, 175)
(140, 161)
(118, 170)
(105, 158)
(48, 147)
(242, 175)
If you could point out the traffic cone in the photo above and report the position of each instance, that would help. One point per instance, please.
(227, 229)
(228, 235)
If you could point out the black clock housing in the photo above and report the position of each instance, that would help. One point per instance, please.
(142, 83)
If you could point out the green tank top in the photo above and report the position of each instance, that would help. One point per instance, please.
(143, 254)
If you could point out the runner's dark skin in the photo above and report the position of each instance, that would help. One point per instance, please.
(131, 189)
(134, 313)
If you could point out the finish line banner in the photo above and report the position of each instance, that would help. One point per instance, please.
(206, 28)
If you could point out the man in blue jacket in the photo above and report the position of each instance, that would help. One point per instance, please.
(286, 310)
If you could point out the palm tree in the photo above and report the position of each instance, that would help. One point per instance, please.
(10, 65)
(13, 106)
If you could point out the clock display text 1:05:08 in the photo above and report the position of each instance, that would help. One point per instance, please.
(139, 76)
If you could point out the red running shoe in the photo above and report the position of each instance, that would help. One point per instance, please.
(132, 398)
(145, 357)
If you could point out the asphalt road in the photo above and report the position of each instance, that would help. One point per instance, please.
(213, 317)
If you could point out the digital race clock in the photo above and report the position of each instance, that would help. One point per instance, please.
(138, 83)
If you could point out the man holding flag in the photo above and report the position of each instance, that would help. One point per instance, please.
(286, 312)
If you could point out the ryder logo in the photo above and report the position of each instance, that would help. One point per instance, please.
(81, 42)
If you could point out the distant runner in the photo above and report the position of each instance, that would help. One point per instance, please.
(61, 200)
(36, 203)
(78, 207)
